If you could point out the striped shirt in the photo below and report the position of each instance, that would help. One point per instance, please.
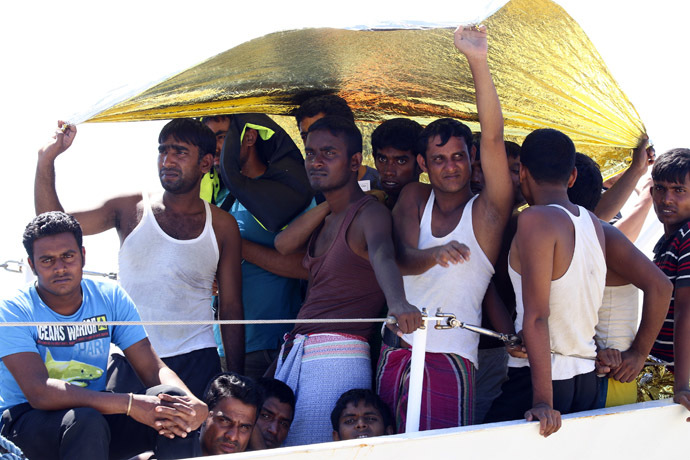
(672, 256)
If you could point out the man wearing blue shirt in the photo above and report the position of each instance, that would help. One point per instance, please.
(52, 377)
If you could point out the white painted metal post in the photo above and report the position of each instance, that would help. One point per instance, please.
(414, 394)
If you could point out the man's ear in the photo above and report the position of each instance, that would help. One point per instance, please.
(389, 430)
(356, 161)
(31, 264)
(250, 136)
(336, 436)
(422, 163)
(83, 256)
(473, 152)
(572, 178)
(206, 162)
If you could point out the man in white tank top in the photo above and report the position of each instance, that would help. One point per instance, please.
(447, 243)
(558, 270)
(172, 246)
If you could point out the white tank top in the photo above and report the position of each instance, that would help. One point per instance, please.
(457, 289)
(618, 317)
(574, 302)
(171, 279)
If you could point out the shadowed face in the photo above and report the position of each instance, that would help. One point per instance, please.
(228, 427)
(220, 130)
(448, 165)
(57, 263)
(672, 203)
(360, 420)
(272, 426)
(179, 168)
(397, 168)
(327, 163)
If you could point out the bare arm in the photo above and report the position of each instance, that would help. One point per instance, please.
(406, 218)
(296, 236)
(46, 393)
(288, 266)
(229, 279)
(626, 261)
(496, 311)
(191, 412)
(631, 224)
(536, 247)
(496, 200)
(681, 346)
(45, 192)
(613, 199)
(377, 234)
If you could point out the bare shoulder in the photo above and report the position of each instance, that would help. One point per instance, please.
(541, 219)
(222, 221)
(412, 199)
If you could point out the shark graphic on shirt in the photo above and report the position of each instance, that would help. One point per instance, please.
(74, 372)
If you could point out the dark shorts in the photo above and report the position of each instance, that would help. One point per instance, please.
(576, 394)
(196, 369)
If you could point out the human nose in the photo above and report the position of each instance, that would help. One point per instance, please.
(272, 427)
(361, 423)
(232, 433)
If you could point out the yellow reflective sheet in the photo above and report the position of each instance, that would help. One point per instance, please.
(546, 71)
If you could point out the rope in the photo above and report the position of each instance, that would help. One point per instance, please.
(199, 322)
(9, 451)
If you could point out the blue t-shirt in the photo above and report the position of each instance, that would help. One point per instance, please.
(75, 354)
(264, 294)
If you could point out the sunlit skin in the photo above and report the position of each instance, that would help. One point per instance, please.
(448, 165)
(306, 123)
(272, 426)
(179, 168)
(57, 263)
(228, 427)
(672, 204)
(396, 168)
(360, 421)
(220, 130)
(326, 161)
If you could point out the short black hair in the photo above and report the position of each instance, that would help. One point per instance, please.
(356, 395)
(231, 384)
(192, 132)
(328, 104)
(341, 127)
(216, 118)
(586, 191)
(513, 149)
(548, 155)
(673, 166)
(445, 128)
(399, 133)
(49, 224)
(274, 388)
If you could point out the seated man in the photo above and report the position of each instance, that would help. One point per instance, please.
(232, 401)
(52, 377)
(275, 416)
(393, 145)
(360, 414)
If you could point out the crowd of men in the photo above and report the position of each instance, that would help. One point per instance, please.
(244, 219)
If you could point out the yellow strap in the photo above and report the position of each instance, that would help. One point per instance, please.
(264, 132)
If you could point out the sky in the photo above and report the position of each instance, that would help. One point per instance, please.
(59, 58)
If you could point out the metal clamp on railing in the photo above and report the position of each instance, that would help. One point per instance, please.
(7, 265)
